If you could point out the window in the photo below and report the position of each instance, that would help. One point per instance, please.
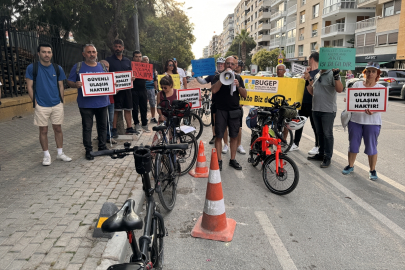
(301, 34)
(315, 11)
(370, 39)
(302, 16)
(303, 2)
(337, 43)
(389, 9)
(281, 7)
(313, 47)
(393, 38)
(314, 30)
(300, 50)
(255, 25)
(382, 39)
(256, 15)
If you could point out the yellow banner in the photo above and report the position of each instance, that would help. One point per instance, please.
(261, 89)
(176, 81)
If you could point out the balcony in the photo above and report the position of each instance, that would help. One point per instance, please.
(261, 38)
(264, 26)
(349, 7)
(366, 3)
(365, 25)
(292, 10)
(338, 29)
(277, 15)
(279, 42)
(275, 2)
(264, 15)
(277, 29)
(291, 25)
(365, 50)
(290, 40)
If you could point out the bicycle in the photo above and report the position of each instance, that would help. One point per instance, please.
(171, 132)
(195, 121)
(205, 111)
(280, 173)
(149, 253)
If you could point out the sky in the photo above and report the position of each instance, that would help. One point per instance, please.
(208, 17)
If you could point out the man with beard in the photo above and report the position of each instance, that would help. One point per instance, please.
(90, 106)
(123, 99)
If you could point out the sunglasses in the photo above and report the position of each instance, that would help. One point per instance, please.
(170, 65)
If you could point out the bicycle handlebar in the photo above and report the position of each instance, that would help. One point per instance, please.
(133, 149)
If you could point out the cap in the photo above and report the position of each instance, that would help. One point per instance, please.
(174, 59)
(373, 65)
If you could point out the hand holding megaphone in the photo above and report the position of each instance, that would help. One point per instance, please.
(227, 77)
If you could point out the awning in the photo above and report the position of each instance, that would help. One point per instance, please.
(365, 64)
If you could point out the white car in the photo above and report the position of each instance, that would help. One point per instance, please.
(264, 74)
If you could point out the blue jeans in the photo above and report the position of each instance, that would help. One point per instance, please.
(324, 129)
(111, 119)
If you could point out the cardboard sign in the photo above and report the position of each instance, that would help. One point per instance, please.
(142, 70)
(176, 81)
(359, 99)
(97, 84)
(342, 58)
(203, 67)
(259, 91)
(296, 68)
(123, 80)
(191, 95)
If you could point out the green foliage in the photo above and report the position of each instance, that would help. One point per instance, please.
(243, 39)
(265, 58)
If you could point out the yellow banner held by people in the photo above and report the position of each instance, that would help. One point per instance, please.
(261, 89)
(176, 81)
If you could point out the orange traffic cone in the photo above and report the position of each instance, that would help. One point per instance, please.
(201, 169)
(213, 224)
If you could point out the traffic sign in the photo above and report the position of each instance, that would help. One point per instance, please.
(280, 56)
(280, 61)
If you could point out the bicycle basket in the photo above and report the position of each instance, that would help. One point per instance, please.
(251, 119)
(182, 108)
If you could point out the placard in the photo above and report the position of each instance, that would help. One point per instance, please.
(176, 81)
(342, 58)
(360, 99)
(259, 91)
(203, 67)
(142, 70)
(191, 95)
(123, 80)
(97, 84)
(297, 68)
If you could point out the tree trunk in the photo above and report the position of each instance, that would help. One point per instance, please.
(244, 52)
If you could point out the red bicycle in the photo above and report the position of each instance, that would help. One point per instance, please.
(280, 173)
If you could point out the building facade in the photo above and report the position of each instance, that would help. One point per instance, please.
(205, 52)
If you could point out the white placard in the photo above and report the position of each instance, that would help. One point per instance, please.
(296, 68)
(191, 95)
(97, 84)
(123, 80)
(360, 99)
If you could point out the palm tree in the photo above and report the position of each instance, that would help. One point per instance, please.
(242, 39)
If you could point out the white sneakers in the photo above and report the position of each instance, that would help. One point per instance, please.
(63, 157)
(47, 159)
(225, 149)
(241, 150)
(294, 147)
(314, 151)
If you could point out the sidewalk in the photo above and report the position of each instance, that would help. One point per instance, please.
(48, 213)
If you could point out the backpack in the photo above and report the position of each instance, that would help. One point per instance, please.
(251, 119)
(79, 66)
(34, 79)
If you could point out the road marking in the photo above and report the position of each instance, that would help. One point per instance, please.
(364, 167)
(383, 219)
(281, 252)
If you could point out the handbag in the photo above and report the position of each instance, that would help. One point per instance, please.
(235, 113)
(345, 118)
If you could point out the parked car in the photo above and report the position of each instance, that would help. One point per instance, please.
(393, 79)
(245, 73)
(264, 74)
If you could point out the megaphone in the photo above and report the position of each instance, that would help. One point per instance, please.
(227, 77)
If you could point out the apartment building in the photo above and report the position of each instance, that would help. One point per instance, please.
(401, 40)
(213, 45)
(377, 35)
(240, 17)
(228, 33)
(258, 22)
(205, 52)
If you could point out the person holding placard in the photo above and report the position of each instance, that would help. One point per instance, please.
(123, 99)
(90, 106)
(182, 73)
(365, 125)
(323, 88)
(170, 68)
(151, 87)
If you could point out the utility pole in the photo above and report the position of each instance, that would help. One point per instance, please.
(137, 47)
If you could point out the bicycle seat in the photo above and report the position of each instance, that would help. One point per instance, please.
(159, 128)
(124, 220)
(127, 266)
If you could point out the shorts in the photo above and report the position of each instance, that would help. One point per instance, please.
(369, 133)
(213, 111)
(151, 97)
(43, 114)
(241, 117)
(222, 121)
(123, 100)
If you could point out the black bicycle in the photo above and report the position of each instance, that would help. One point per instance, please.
(149, 253)
(205, 111)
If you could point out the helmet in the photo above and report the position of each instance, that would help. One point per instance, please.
(220, 60)
(296, 123)
(240, 63)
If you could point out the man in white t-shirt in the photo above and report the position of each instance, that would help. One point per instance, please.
(183, 76)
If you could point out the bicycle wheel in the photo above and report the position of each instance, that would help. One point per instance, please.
(205, 114)
(256, 147)
(195, 121)
(287, 178)
(166, 181)
(187, 157)
(157, 251)
(289, 137)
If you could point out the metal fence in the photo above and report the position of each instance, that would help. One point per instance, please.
(18, 47)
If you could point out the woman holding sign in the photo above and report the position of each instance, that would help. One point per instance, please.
(365, 125)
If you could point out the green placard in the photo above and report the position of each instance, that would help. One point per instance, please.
(342, 58)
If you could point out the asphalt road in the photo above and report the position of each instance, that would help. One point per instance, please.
(330, 221)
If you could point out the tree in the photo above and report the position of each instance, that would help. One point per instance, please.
(265, 58)
(243, 39)
(234, 49)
